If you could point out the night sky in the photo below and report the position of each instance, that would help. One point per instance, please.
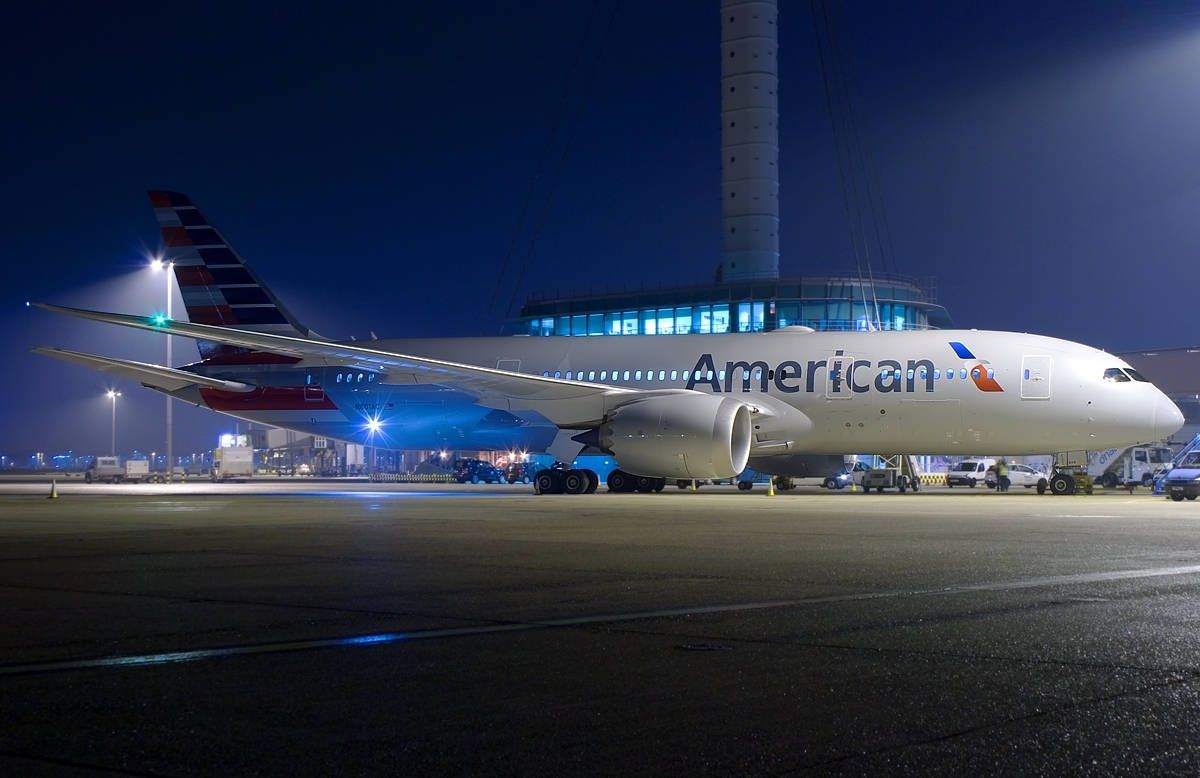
(1038, 160)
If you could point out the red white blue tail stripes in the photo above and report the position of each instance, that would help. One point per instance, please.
(216, 284)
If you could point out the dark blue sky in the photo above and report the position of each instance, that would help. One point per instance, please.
(1037, 159)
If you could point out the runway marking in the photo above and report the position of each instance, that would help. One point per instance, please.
(180, 657)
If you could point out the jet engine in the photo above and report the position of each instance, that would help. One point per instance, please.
(685, 435)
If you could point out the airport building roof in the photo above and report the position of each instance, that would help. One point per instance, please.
(823, 303)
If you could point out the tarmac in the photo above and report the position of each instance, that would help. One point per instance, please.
(287, 628)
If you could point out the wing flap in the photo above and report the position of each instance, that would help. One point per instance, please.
(165, 378)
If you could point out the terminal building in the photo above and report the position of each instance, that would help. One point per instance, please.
(760, 305)
(748, 294)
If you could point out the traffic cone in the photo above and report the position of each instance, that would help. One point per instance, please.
(771, 488)
(53, 490)
(693, 484)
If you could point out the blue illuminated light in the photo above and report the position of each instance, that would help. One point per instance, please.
(383, 638)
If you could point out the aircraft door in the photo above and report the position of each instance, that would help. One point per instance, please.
(1035, 378)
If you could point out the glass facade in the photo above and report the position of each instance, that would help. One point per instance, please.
(822, 304)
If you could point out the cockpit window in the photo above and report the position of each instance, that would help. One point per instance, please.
(1116, 375)
(1136, 376)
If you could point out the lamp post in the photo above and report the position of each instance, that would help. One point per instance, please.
(112, 395)
(158, 264)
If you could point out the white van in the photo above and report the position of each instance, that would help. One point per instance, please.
(969, 472)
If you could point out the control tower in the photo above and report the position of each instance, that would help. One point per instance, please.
(749, 140)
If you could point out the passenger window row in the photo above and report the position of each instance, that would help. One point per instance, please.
(614, 376)
(344, 378)
(605, 376)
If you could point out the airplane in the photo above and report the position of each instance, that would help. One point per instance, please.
(665, 407)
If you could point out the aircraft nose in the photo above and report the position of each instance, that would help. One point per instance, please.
(1167, 418)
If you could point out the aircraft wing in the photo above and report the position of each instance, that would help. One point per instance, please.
(154, 376)
(565, 403)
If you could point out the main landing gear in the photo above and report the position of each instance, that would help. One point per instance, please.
(556, 481)
(551, 481)
(620, 481)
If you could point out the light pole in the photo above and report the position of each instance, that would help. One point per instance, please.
(158, 264)
(112, 395)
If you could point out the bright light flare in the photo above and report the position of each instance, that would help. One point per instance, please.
(373, 425)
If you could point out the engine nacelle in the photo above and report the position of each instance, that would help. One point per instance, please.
(685, 435)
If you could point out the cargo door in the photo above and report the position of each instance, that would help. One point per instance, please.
(1035, 378)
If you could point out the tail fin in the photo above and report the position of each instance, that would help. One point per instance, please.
(217, 286)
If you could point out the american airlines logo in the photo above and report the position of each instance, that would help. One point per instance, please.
(840, 375)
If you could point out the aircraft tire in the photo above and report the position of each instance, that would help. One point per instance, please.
(902, 484)
(660, 484)
(1191, 496)
(645, 484)
(548, 482)
(916, 484)
(574, 482)
(745, 486)
(593, 480)
(1062, 484)
(1177, 497)
(619, 481)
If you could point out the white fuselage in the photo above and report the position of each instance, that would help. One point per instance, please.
(949, 391)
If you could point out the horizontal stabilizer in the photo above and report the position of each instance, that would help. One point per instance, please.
(165, 378)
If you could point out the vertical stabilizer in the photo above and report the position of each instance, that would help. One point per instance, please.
(216, 284)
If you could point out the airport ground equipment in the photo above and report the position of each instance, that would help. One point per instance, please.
(231, 462)
(851, 475)
(1070, 474)
(1127, 467)
(1184, 479)
(970, 472)
(110, 470)
(899, 471)
(1020, 475)
(1183, 454)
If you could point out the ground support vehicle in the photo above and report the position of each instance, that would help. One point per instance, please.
(898, 471)
(110, 470)
(1020, 475)
(851, 475)
(969, 472)
(520, 472)
(1127, 467)
(1183, 482)
(231, 462)
(477, 471)
(1070, 474)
